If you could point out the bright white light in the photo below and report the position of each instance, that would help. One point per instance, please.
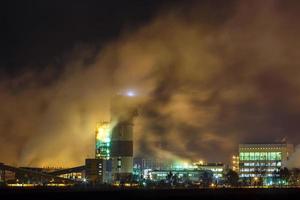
(130, 93)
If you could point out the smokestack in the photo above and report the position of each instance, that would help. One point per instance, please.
(123, 111)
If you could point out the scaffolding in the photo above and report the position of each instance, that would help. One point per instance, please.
(103, 140)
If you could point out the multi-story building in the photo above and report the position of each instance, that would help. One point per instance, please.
(235, 165)
(191, 175)
(184, 171)
(216, 168)
(262, 160)
(152, 163)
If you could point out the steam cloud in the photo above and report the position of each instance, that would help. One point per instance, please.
(204, 86)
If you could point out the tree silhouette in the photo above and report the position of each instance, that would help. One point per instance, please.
(260, 173)
(232, 178)
(206, 178)
(169, 177)
(284, 175)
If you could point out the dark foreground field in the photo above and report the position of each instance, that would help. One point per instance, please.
(65, 193)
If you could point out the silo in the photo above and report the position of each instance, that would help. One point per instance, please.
(123, 112)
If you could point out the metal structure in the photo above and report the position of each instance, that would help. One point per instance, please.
(27, 175)
(103, 140)
(68, 171)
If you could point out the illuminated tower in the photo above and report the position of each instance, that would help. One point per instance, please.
(103, 140)
(98, 170)
(123, 111)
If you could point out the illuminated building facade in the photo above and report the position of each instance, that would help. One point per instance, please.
(103, 140)
(262, 160)
(235, 163)
(216, 168)
(183, 175)
(152, 163)
(156, 170)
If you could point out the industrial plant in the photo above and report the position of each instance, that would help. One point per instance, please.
(114, 164)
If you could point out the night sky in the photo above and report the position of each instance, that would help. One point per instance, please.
(37, 33)
(208, 75)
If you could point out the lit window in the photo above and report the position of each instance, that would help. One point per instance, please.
(246, 156)
(263, 156)
(273, 156)
(119, 162)
(251, 155)
(278, 155)
(241, 156)
(256, 155)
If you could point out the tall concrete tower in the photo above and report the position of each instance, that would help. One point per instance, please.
(123, 111)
